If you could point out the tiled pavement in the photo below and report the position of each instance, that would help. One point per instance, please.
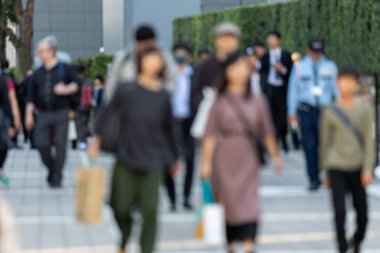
(294, 220)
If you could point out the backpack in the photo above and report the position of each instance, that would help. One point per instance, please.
(74, 99)
(86, 98)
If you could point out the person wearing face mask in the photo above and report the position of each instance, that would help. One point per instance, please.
(184, 118)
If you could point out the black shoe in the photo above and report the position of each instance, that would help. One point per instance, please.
(188, 206)
(54, 182)
(314, 187)
(353, 246)
(55, 185)
(173, 208)
(48, 179)
(285, 148)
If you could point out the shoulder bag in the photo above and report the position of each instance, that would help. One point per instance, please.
(254, 139)
(109, 122)
(349, 124)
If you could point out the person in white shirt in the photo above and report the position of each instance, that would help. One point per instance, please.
(184, 116)
(276, 67)
(255, 75)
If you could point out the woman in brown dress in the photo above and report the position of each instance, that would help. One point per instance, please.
(230, 157)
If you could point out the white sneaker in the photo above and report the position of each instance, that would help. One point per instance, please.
(82, 146)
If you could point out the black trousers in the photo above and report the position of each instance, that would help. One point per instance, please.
(3, 156)
(82, 119)
(277, 99)
(187, 148)
(51, 135)
(341, 184)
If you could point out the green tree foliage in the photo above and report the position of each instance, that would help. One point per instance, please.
(7, 16)
(96, 65)
(351, 28)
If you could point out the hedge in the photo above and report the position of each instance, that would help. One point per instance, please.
(350, 28)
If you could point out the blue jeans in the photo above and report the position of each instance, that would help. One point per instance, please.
(309, 120)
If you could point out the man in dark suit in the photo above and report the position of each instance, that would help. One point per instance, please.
(276, 66)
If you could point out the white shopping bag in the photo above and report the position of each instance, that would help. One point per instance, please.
(199, 125)
(377, 172)
(214, 225)
(8, 237)
(72, 130)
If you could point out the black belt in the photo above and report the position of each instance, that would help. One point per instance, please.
(305, 107)
(52, 109)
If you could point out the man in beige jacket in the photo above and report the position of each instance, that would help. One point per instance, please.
(124, 67)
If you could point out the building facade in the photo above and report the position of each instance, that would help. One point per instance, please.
(77, 24)
(121, 17)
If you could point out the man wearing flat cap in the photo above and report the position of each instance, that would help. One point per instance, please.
(226, 41)
(312, 86)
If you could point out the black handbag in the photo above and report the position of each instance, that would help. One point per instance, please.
(5, 124)
(5, 113)
(256, 142)
(109, 122)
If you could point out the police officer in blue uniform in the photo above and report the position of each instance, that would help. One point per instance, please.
(312, 86)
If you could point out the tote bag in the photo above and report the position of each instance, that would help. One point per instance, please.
(200, 122)
(211, 225)
(90, 192)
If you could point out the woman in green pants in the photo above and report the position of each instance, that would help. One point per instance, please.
(146, 147)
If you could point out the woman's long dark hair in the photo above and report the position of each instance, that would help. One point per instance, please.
(149, 51)
(222, 82)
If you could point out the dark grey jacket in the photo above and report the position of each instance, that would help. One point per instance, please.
(147, 140)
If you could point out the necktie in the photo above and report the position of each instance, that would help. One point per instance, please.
(277, 58)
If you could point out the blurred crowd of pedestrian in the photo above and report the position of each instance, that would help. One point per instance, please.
(154, 99)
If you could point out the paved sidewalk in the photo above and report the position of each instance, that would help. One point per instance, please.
(294, 220)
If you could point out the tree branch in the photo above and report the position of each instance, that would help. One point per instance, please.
(12, 36)
(30, 6)
(17, 6)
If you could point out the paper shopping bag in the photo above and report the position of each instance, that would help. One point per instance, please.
(90, 195)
